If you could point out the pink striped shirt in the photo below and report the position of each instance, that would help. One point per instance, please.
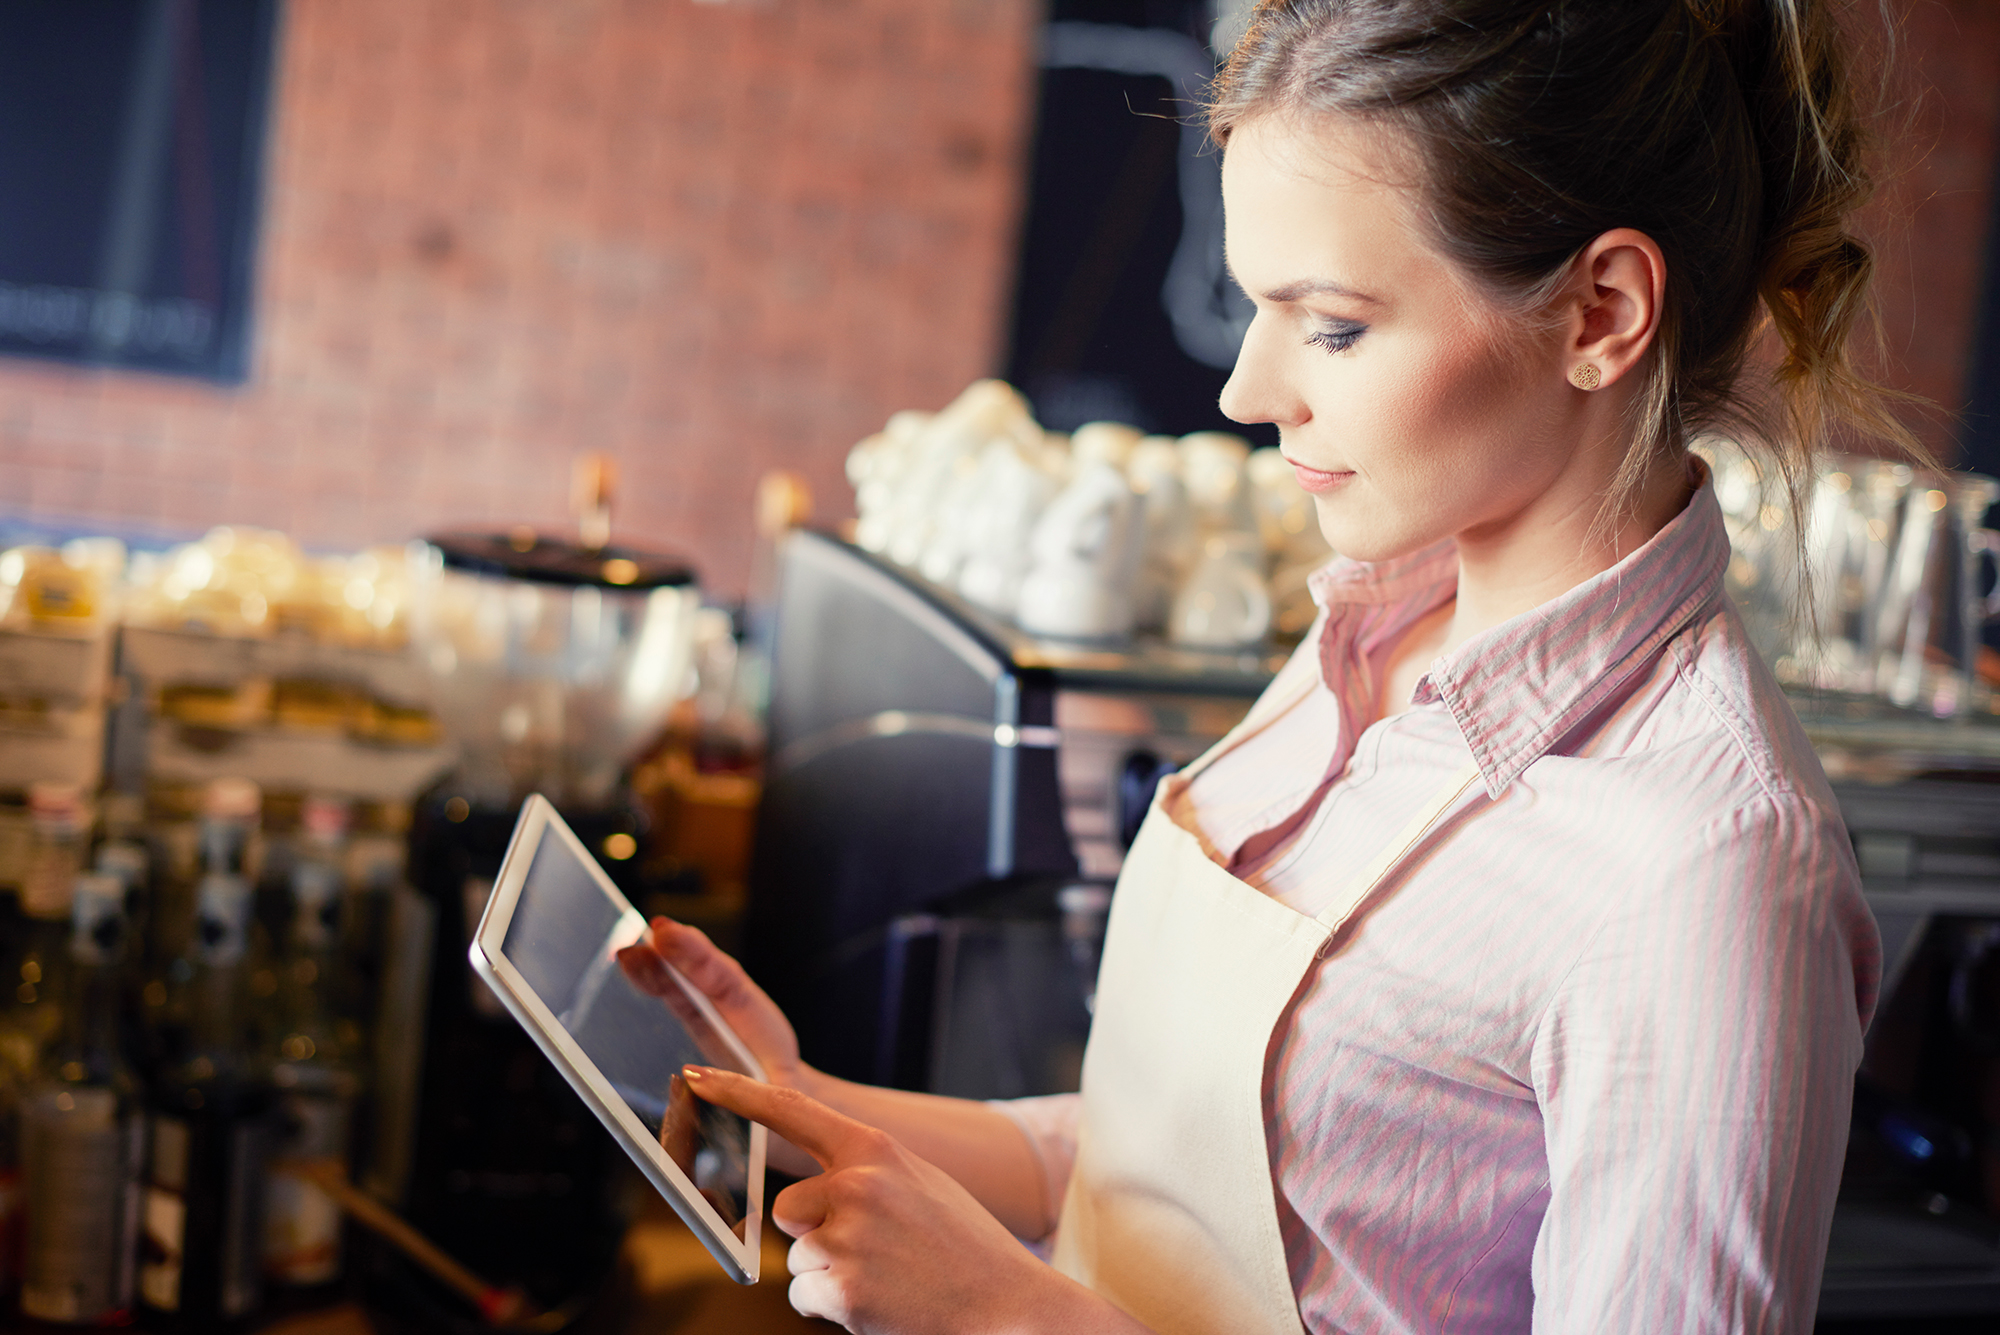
(1584, 1064)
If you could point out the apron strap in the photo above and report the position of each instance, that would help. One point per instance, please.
(1264, 712)
(1364, 881)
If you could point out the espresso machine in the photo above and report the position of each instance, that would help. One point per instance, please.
(1916, 1230)
(553, 663)
(946, 805)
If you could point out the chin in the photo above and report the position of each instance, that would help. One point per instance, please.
(1366, 541)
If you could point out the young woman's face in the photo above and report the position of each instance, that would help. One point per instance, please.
(1411, 407)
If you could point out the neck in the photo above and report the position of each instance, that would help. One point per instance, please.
(1553, 545)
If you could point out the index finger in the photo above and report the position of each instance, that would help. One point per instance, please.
(834, 1139)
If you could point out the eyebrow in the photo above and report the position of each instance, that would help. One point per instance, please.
(1316, 287)
(1304, 287)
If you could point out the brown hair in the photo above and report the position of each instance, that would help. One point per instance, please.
(1727, 130)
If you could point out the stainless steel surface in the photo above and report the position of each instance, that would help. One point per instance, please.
(1098, 732)
(1897, 1258)
(1867, 739)
(1113, 701)
(1892, 558)
(548, 687)
(1929, 850)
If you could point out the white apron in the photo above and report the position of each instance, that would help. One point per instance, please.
(1170, 1211)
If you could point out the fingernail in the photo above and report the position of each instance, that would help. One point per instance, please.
(693, 1073)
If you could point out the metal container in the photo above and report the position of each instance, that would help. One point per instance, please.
(553, 662)
(1895, 564)
(1932, 613)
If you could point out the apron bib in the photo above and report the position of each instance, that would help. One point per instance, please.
(1170, 1212)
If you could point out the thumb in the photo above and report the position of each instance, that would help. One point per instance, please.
(834, 1139)
(652, 975)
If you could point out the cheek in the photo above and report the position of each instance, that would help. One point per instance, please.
(1457, 411)
(1456, 389)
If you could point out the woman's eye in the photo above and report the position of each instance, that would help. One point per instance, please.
(1335, 340)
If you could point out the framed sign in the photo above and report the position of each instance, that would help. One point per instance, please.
(131, 179)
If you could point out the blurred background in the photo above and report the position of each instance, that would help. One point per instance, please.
(457, 244)
(656, 318)
(466, 242)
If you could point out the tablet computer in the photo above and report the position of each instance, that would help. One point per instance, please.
(547, 945)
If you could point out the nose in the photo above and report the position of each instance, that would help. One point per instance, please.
(1258, 390)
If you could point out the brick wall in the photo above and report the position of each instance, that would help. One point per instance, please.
(709, 238)
(1931, 220)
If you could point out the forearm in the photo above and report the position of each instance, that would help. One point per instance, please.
(980, 1148)
(1069, 1308)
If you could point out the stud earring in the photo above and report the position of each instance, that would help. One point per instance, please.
(1585, 375)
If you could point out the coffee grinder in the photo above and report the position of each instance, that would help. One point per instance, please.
(554, 662)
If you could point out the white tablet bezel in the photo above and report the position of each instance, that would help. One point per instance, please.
(539, 821)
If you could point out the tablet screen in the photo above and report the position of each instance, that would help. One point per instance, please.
(564, 938)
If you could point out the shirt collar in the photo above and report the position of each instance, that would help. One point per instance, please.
(1519, 688)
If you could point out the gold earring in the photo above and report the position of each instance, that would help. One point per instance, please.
(1585, 375)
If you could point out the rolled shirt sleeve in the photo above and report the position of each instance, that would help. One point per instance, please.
(1049, 1123)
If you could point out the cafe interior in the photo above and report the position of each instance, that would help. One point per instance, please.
(783, 434)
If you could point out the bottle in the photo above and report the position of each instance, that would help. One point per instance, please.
(127, 853)
(229, 811)
(400, 1020)
(123, 853)
(324, 825)
(82, 1135)
(201, 1230)
(34, 960)
(315, 1071)
(13, 1054)
(370, 858)
(10, 1174)
(54, 859)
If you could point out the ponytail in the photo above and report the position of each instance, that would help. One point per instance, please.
(1815, 278)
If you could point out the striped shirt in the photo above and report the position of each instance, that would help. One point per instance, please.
(1584, 1062)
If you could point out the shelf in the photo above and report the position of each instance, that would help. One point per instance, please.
(1868, 740)
(1144, 663)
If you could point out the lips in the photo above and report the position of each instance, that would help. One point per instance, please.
(1317, 479)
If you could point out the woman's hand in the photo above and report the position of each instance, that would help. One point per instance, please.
(977, 1146)
(889, 1244)
(743, 1005)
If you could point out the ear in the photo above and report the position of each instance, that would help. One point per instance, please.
(1619, 282)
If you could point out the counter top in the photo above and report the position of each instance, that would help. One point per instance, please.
(667, 1284)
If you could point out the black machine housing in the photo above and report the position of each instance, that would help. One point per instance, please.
(934, 779)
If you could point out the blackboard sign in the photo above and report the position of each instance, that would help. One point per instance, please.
(131, 172)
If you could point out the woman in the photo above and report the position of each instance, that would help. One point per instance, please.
(1508, 967)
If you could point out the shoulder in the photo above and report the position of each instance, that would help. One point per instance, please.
(1715, 809)
(1728, 683)
(1702, 740)
(1759, 877)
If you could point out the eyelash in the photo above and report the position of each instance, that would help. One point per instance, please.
(1335, 340)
